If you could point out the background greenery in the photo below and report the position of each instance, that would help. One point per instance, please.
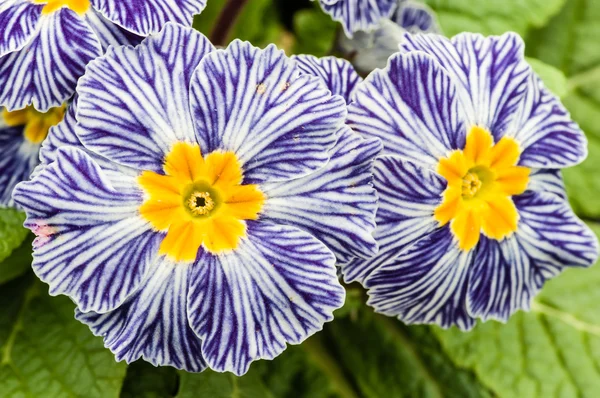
(554, 350)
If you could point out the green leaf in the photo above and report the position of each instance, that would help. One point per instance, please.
(145, 380)
(553, 78)
(45, 352)
(554, 350)
(492, 17)
(12, 232)
(315, 32)
(18, 262)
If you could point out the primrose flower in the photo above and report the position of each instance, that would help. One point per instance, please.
(357, 15)
(21, 135)
(194, 204)
(45, 44)
(472, 216)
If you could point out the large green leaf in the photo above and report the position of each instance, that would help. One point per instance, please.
(552, 351)
(45, 352)
(493, 17)
(145, 380)
(17, 263)
(12, 232)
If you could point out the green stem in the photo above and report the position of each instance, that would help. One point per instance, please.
(226, 21)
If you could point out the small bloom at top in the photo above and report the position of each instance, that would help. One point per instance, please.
(196, 204)
(473, 216)
(358, 15)
(46, 44)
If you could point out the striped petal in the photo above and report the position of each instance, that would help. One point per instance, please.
(109, 33)
(547, 180)
(358, 15)
(416, 18)
(338, 74)
(490, 73)
(86, 232)
(337, 203)
(408, 196)
(19, 158)
(153, 323)
(546, 134)
(412, 106)
(426, 284)
(506, 275)
(62, 134)
(278, 287)
(19, 19)
(256, 103)
(133, 103)
(143, 17)
(45, 72)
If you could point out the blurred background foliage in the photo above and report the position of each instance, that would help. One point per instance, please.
(554, 350)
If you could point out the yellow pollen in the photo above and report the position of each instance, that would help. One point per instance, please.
(200, 202)
(35, 124)
(482, 178)
(78, 6)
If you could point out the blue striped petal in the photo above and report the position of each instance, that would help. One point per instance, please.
(426, 284)
(506, 275)
(17, 160)
(44, 72)
(490, 73)
(547, 180)
(358, 15)
(412, 105)
(278, 287)
(408, 196)
(416, 18)
(338, 74)
(545, 132)
(153, 323)
(109, 33)
(279, 122)
(86, 231)
(18, 19)
(133, 103)
(143, 17)
(337, 203)
(62, 134)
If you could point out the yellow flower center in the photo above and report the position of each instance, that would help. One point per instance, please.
(35, 124)
(481, 178)
(199, 201)
(78, 6)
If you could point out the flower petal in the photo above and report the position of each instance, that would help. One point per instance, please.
(256, 104)
(408, 197)
(278, 287)
(338, 74)
(133, 103)
(490, 73)
(425, 284)
(412, 106)
(62, 134)
(45, 72)
(143, 17)
(337, 203)
(18, 19)
(109, 33)
(547, 136)
(416, 17)
(87, 231)
(548, 180)
(152, 323)
(358, 15)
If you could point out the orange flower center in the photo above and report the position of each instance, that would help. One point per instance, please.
(36, 124)
(199, 201)
(481, 178)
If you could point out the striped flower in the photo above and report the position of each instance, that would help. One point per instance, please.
(194, 204)
(45, 44)
(473, 217)
(358, 15)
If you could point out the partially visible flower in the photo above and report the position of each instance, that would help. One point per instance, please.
(45, 44)
(21, 135)
(357, 15)
(371, 50)
(194, 204)
(472, 216)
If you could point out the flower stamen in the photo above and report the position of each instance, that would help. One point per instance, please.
(470, 185)
(200, 203)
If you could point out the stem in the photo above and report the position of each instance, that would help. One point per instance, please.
(226, 20)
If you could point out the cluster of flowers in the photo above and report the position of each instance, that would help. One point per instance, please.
(197, 203)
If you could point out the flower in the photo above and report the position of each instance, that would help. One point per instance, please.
(195, 204)
(473, 217)
(21, 135)
(45, 44)
(356, 15)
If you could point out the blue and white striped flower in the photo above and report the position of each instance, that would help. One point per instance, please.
(45, 44)
(472, 216)
(358, 15)
(194, 204)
